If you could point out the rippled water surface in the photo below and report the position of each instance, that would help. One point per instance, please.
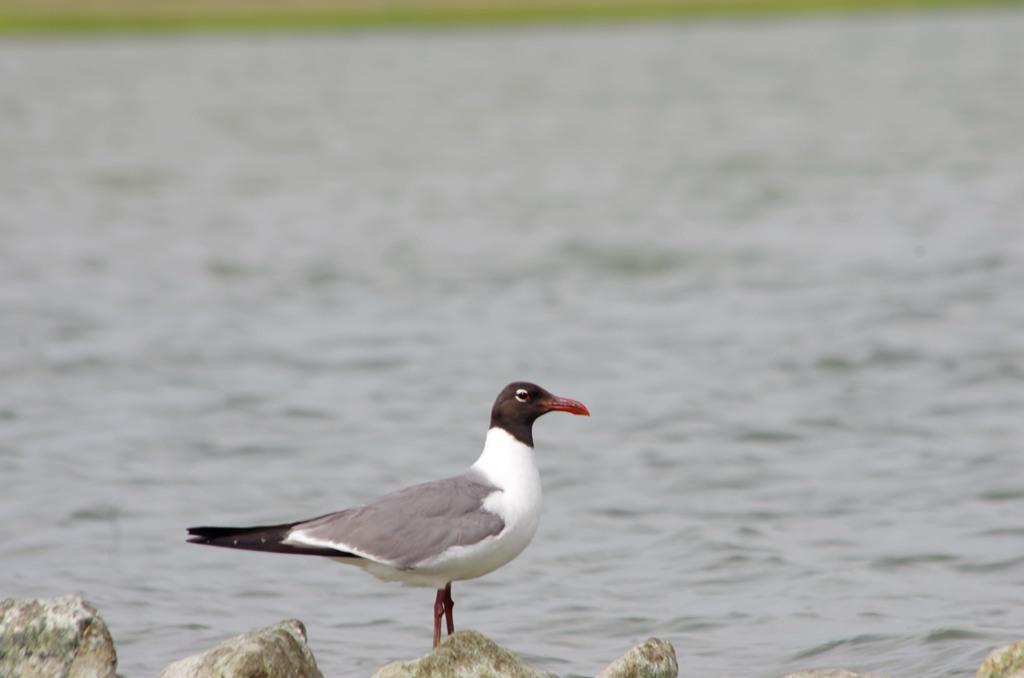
(258, 278)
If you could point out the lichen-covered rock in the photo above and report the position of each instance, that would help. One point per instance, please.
(833, 673)
(464, 654)
(1004, 662)
(54, 638)
(654, 658)
(271, 652)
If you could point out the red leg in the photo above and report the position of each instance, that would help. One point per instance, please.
(448, 605)
(438, 613)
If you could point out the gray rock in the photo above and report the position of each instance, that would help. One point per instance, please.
(277, 651)
(464, 654)
(54, 638)
(833, 673)
(654, 658)
(1004, 662)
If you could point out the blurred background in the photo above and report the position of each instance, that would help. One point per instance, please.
(254, 273)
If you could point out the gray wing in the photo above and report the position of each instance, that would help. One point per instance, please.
(411, 525)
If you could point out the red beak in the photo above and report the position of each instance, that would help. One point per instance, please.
(567, 405)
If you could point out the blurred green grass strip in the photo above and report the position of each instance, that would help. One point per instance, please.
(32, 16)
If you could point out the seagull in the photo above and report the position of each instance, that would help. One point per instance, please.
(438, 532)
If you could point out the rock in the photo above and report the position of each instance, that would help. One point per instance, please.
(54, 638)
(468, 654)
(278, 650)
(833, 673)
(654, 658)
(1004, 662)
(464, 654)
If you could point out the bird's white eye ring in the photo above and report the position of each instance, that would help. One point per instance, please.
(522, 395)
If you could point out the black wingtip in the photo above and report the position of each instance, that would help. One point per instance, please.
(202, 534)
(268, 538)
(199, 539)
(259, 538)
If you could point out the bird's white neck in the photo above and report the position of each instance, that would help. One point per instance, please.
(506, 462)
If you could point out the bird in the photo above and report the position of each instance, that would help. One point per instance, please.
(437, 532)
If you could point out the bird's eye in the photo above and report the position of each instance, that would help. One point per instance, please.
(522, 395)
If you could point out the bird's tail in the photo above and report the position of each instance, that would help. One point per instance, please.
(269, 538)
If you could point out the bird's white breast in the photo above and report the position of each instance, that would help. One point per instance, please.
(512, 467)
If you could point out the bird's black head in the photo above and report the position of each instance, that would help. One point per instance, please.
(520, 403)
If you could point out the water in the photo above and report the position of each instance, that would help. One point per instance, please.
(257, 278)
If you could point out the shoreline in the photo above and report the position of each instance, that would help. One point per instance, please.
(67, 636)
(21, 17)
